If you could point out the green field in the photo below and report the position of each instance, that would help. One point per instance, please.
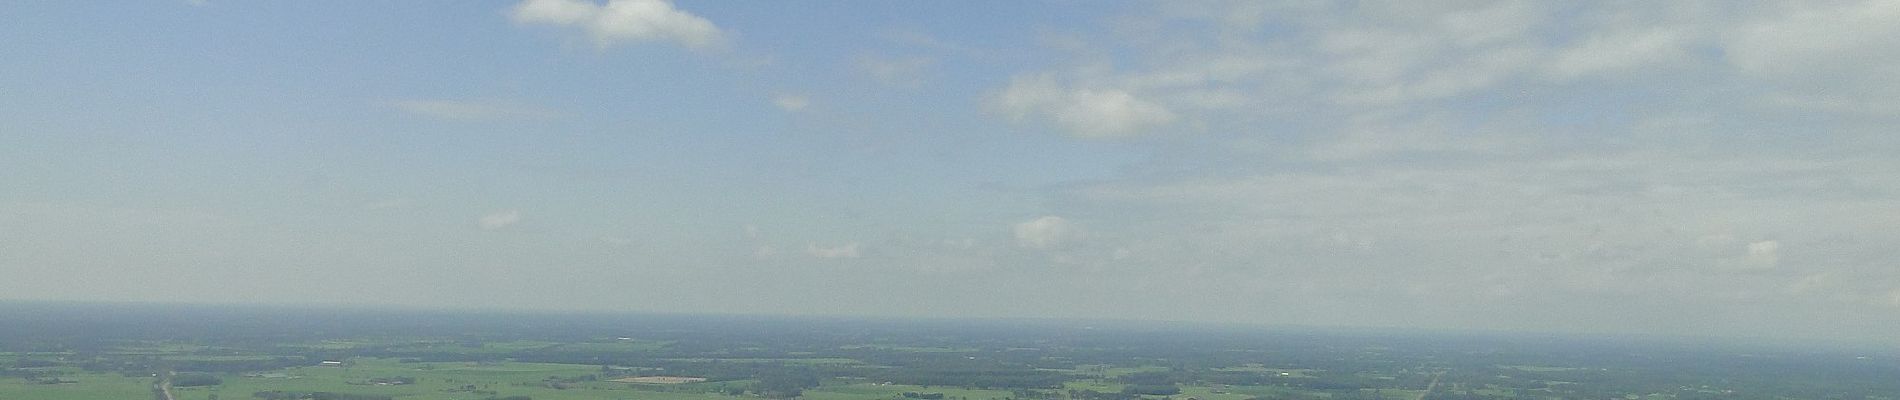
(513, 358)
(85, 386)
(438, 381)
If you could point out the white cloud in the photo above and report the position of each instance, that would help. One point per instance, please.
(621, 21)
(848, 250)
(790, 102)
(1824, 56)
(1046, 232)
(1764, 254)
(1618, 51)
(1834, 102)
(1373, 135)
(1803, 37)
(472, 110)
(500, 219)
(1560, 155)
(1094, 113)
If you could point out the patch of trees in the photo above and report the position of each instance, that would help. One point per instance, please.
(393, 380)
(1244, 378)
(1356, 395)
(1033, 394)
(1086, 394)
(1153, 378)
(924, 396)
(189, 380)
(1330, 380)
(979, 378)
(1152, 390)
(25, 373)
(235, 366)
(786, 383)
(1460, 395)
(32, 363)
(419, 356)
(126, 366)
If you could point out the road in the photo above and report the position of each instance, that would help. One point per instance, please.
(164, 386)
(1431, 387)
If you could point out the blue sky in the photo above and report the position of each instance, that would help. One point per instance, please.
(1703, 168)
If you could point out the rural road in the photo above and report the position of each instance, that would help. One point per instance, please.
(164, 386)
(1422, 395)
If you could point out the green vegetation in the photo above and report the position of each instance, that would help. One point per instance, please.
(226, 357)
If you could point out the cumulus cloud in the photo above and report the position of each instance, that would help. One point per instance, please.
(471, 110)
(499, 219)
(1046, 232)
(1094, 113)
(847, 250)
(623, 21)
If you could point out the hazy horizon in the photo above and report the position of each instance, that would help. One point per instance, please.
(1684, 168)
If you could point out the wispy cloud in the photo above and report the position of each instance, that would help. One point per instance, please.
(499, 219)
(847, 250)
(900, 72)
(1045, 232)
(790, 102)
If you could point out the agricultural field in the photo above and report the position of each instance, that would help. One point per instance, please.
(225, 355)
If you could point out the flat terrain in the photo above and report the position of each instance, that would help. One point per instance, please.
(664, 380)
(230, 355)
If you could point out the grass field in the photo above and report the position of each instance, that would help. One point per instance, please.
(438, 381)
(501, 377)
(87, 386)
(454, 381)
(1286, 372)
(541, 381)
(785, 361)
(870, 391)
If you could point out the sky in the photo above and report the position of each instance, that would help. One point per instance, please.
(1711, 168)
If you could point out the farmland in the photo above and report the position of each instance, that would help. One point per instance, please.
(59, 352)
